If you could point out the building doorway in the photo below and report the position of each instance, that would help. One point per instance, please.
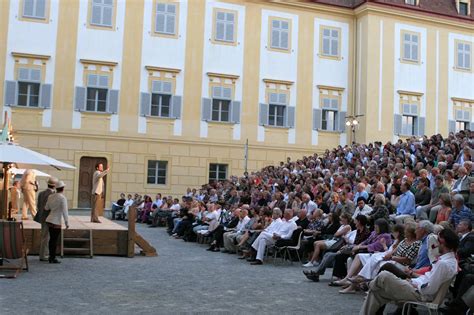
(86, 171)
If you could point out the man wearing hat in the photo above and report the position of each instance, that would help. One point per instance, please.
(57, 204)
(41, 216)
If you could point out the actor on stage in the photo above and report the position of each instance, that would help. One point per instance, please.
(29, 187)
(57, 205)
(98, 192)
(41, 216)
(15, 197)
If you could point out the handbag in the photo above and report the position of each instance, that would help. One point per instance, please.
(336, 246)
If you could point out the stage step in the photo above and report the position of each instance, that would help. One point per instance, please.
(77, 243)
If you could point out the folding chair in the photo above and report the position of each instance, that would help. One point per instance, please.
(433, 305)
(296, 248)
(13, 247)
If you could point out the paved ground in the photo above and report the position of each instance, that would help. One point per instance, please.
(183, 278)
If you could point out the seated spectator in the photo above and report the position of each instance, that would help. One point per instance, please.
(118, 206)
(360, 192)
(362, 208)
(308, 204)
(335, 205)
(279, 229)
(320, 204)
(434, 205)
(406, 206)
(443, 210)
(459, 211)
(230, 237)
(126, 206)
(386, 287)
(378, 241)
(146, 210)
(423, 193)
(379, 211)
(395, 195)
(348, 205)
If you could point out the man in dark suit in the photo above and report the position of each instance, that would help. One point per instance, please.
(466, 243)
(461, 186)
(41, 216)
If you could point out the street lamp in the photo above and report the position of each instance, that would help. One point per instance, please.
(351, 121)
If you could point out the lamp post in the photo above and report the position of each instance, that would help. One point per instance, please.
(352, 122)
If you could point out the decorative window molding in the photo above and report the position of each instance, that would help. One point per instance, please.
(410, 47)
(213, 76)
(34, 11)
(224, 26)
(463, 55)
(165, 19)
(330, 42)
(279, 34)
(269, 82)
(102, 14)
(172, 71)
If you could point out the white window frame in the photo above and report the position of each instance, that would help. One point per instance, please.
(35, 9)
(166, 16)
(466, 55)
(467, 8)
(221, 94)
(324, 119)
(218, 171)
(411, 2)
(29, 93)
(226, 24)
(412, 45)
(98, 85)
(406, 125)
(281, 33)
(103, 6)
(277, 101)
(161, 88)
(331, 41)
(156, 168)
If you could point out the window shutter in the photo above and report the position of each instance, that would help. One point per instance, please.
(317, 117)
(451, 126)
(107, 16)
(176, 102)
(290, 117)
(397, 124)
(80, 99)
(263, 119)
(167, 87)
(40, 8)
(145, 104)
(421, 126)
(28, 6)
(206, 109)
(342, 121)
(96, 14)
(45, 96)
(10, 93)
(103, 81)
(227, 93)
(235, 105)
(113, 101)
(471, 126)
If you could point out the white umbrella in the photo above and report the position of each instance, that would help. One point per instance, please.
(20, 171)
(11, 153)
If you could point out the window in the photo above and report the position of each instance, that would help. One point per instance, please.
(410, 47)
(28, 87)
(217, 172)
(410, 2)
(280, 30)
(463, 8)
(35, 9)
(161, 98)
(329, 120)
(330, 42)
(277, 109)
(463, 55)
(462, 125)
(463, 119)
(156, 174)
(224, 26)
(102, 12)
(165, 22)
(408, 125)
(221, 99)
(97, 92)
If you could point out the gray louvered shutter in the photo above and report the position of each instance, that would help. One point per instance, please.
(145, 104)
(471, 126)
(80, 99)
(397, 124)
(290, 117)
(176, 102)
(235, 105)
(452, 126)
(263, 120)
(45, 95)
(421, 126)
(113, 101)
(342, 122)
(317, 117)
(206, 109)
(10, 93)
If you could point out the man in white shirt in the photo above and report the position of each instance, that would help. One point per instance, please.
(362, 208)
(387, 287)
(309, 204)
(158, 201)
(230, 237)
(279, 229)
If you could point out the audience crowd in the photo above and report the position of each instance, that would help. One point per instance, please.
(394, 220)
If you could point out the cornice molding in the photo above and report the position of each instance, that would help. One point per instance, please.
(30, 56)
(98, 62)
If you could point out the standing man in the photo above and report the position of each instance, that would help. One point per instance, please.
(57, 206)
(98, 192)
(41, 216)
(29, 187)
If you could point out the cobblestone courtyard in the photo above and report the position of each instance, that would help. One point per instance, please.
(183, 278)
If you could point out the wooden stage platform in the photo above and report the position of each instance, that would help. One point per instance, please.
(108, 237)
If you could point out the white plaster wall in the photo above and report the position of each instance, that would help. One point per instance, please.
(410, 77)
(103, 45)
(221, 58)
(287, 65)
(330, 72)
(164, 52)
(460, 83)
(33, 38)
